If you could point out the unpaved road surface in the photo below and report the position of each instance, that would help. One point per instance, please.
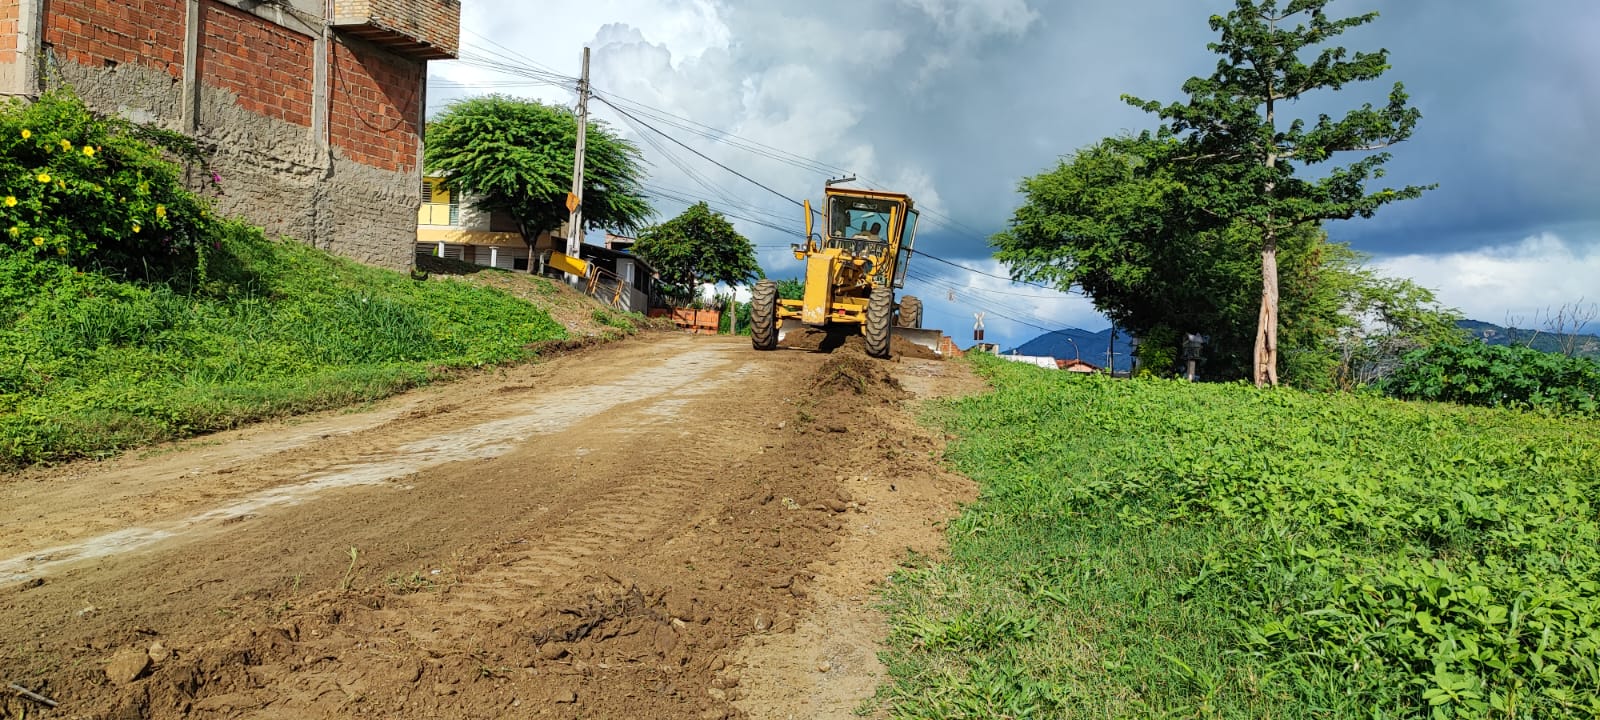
(669, 527)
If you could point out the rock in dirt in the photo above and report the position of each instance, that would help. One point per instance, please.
(158, 652)
(127, 665)
(551, 651)
(565, 697)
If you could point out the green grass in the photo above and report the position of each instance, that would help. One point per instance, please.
(1160, 549)
(91, 365)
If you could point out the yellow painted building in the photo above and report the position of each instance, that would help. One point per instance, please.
(447, 227)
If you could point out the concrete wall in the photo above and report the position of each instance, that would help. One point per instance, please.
(314, 134)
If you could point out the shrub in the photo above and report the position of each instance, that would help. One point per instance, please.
(1474, 373)
(95, 191)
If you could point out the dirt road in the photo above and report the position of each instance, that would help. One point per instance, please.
(670, 527)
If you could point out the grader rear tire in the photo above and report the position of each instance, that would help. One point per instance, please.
(880, 310)
(910, 312)
(764, 316)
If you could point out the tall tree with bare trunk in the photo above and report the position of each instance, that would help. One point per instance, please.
(1237, 150)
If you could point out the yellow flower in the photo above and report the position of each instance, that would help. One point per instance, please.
(88, 151)
(38, 241)
(61, 250)
(65, 144)
(161, 211)
(61, 184)
(11, 201)
(16, 231)
(136, 227)
(44, 177)
(26, 133)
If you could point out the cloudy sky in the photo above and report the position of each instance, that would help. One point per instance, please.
(954, 101)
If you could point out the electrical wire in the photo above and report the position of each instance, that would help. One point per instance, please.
(631, 112)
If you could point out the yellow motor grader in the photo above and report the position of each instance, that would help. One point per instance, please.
(852, 271)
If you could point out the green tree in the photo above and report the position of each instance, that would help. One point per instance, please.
(516, 156)
(1115, 221)
(698, 246)
(1236, 157)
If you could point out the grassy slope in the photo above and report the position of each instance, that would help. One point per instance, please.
(89, 365)
(1158, 549)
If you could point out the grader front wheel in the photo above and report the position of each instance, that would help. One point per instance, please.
(880, 309)
(764, 316)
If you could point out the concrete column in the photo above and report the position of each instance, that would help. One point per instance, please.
(494, 256)
(25, 80)
(191, 67)
(320, 81)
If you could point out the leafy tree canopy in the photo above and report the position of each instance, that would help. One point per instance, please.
(1236, 158)
(698, 246)
(516, 156)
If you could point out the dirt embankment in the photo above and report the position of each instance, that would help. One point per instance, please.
(693, 532)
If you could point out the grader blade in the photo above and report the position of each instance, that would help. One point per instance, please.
(920, 336)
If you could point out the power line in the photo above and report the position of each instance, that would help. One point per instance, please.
(702, 155)
(543, 75)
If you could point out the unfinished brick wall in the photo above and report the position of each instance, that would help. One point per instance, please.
(333, 164)
(127, 32)
(375, 104)
(267, 66)
(9, 10)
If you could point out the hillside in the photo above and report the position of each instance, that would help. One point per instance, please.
(1072, 343)
(1162, 549)
(1091, 346)
(1587, 345)
(102, 364)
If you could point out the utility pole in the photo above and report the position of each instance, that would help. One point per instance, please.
(575, 199)
(1111, 351)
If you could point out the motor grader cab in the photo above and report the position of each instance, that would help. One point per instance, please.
(852, 271)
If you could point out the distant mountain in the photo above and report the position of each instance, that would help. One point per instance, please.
(1077, 343)
(1091, 346)
(1586, 345)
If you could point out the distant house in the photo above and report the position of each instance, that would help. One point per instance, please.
(621, 279)
(1077, 366)
(449, 227)
(1048, 363)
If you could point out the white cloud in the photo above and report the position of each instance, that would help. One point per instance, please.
(1503, 282)
(979, 17)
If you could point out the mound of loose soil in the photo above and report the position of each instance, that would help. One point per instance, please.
(817, 340)
(850, 370)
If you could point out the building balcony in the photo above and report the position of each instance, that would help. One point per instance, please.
(420, 29)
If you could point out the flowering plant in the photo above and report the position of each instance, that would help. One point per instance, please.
(94, 191)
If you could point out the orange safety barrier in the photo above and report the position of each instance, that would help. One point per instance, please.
(699, 322)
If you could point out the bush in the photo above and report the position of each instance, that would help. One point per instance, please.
(96, 192)
(1475, 373)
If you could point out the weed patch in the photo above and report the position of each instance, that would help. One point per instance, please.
(1161, 549)
(91, 365)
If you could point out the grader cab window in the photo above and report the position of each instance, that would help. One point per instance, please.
(859, 225)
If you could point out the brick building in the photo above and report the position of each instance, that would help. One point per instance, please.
(312, 109)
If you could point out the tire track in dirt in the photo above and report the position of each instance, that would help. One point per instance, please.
(632, 562)
(482, 441)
